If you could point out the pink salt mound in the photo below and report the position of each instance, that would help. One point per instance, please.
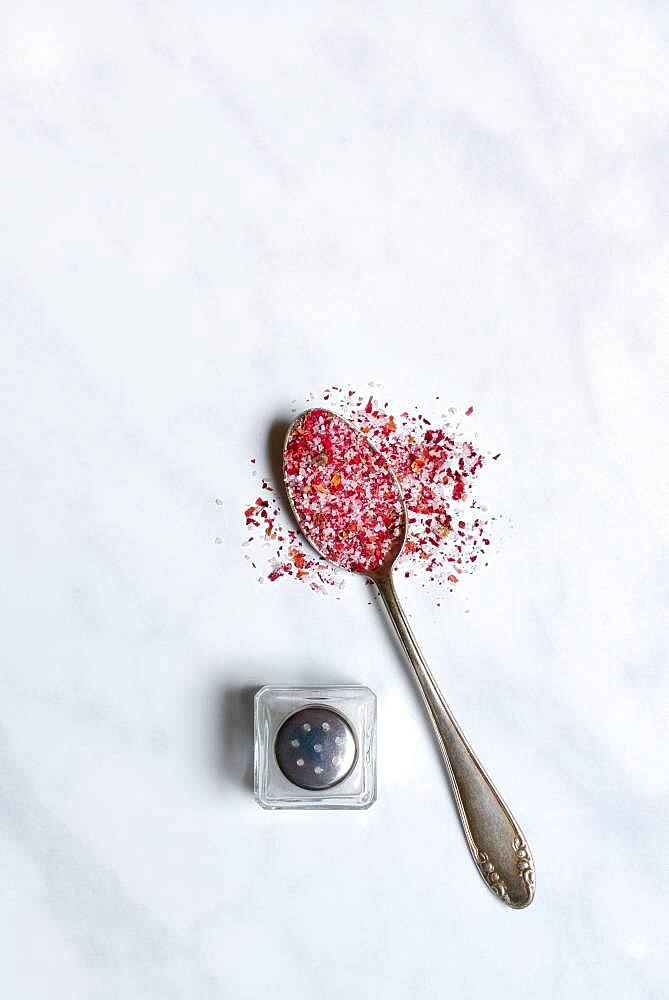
(347, 501)
(437, 466)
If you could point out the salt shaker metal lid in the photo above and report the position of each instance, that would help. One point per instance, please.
(316, 747)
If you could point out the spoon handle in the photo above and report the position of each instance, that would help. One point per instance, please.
(495, 839)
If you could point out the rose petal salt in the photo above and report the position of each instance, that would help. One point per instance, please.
(346, 499)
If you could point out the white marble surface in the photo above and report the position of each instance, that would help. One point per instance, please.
(208, 210)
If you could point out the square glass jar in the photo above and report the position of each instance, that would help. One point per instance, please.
(346, 710)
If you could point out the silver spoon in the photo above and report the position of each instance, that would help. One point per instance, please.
(495, 840)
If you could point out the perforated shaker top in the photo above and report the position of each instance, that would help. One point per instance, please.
(316, 748)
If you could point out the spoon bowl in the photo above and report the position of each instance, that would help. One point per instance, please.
(315, 435)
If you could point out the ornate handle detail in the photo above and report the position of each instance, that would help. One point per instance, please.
(497, 844)
(524, 866)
